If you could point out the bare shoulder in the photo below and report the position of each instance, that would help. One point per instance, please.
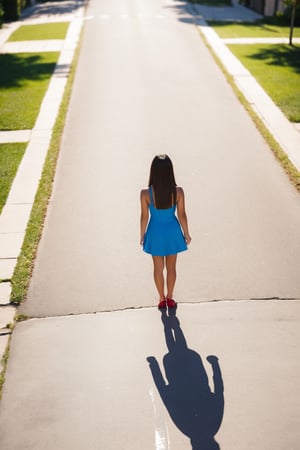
(180, 192)
(144, 192)
(145, 195)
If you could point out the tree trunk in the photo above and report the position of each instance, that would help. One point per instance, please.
(292, 22)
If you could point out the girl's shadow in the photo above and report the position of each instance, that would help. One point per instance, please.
(193, 407)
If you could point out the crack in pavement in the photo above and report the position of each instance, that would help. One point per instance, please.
(135, 308)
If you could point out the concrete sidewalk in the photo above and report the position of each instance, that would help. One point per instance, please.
(93, 388)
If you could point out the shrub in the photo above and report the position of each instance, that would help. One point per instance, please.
(12, 9)
(1, 13)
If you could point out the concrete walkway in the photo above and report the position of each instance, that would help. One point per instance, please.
(93, 380)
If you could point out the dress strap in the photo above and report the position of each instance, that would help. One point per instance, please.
(151, 195)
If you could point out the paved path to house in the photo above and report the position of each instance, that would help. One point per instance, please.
(147, 84)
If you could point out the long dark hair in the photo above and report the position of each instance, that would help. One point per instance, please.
(163, 182)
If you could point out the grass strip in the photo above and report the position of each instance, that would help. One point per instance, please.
(23, 270)
(56, 30)
(258, 29)
(24, 80)
(290, 169)
(277, 70)
(10, 158)
(4, 364)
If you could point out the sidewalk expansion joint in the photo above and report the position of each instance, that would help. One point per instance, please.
(88, 313)
(135, 308)
(276, 298)
(258, 299)
(5, 332)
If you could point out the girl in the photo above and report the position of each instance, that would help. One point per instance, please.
(165, 235)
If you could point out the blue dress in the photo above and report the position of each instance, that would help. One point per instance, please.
(163, 235)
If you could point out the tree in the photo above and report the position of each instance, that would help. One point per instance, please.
(292, 6)
(293, 15)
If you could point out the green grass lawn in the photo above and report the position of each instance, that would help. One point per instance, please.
(24, 79)
(10, 158)
(40, 32)
(256, 30)
(277, 70)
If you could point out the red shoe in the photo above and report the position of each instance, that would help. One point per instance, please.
(162, 304)
(171, 303)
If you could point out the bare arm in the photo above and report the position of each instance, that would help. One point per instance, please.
(144, 214)
(182, 217)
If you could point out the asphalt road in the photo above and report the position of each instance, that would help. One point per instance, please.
(147, 84)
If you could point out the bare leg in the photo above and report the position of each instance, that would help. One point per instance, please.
(171, 274)
(159, 263)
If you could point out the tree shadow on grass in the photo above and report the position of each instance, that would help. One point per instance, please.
(279, 55)
(194, 408)
(15, 69)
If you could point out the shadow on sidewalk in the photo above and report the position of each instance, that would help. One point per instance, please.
(184, 11)
(54, 7)
(194, 408)
(195, 13)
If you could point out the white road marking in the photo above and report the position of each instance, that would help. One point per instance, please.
(127, 16)
(162, 441)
